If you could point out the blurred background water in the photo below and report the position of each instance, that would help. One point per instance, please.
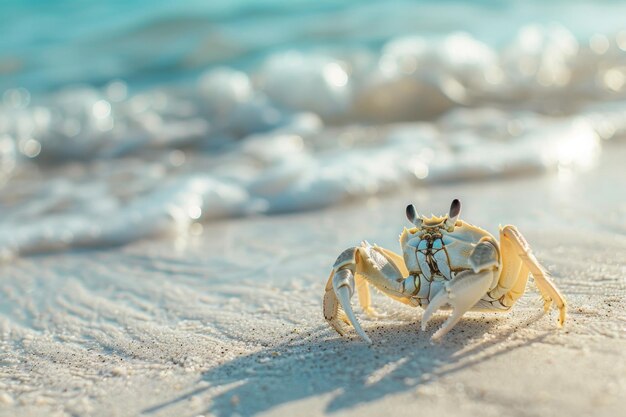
(126, 119)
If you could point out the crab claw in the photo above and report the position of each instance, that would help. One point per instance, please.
(343, 286)
(462, 293)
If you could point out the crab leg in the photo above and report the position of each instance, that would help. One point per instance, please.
(364, 265)
(466, 289)
(343, 285)
(519, 248)
(339, 290)
(513, 277)
(365, 298)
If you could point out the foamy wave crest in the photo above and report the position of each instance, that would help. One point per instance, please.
(88, 166)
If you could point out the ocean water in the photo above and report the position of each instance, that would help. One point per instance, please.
(125, 120)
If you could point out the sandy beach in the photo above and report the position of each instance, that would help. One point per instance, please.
(227, 321)
(177, 179)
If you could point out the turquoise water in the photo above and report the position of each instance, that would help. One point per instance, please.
(45, 45)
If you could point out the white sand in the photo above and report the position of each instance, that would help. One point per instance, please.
(229, 322)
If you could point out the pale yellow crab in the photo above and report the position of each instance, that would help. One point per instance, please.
(445, 262)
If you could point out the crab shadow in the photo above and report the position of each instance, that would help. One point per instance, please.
(346, 370)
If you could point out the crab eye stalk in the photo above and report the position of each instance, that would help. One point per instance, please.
(412, 215)
(453, 215)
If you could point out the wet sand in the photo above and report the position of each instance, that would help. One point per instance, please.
(228, 321)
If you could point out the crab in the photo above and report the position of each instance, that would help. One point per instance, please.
(445, 262)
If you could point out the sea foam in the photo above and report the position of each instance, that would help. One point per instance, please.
(89, 166)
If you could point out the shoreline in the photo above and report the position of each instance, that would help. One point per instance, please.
(229, 322)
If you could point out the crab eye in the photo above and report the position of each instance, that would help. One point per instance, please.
(453, 215)
(412, 215)
(455, 209)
